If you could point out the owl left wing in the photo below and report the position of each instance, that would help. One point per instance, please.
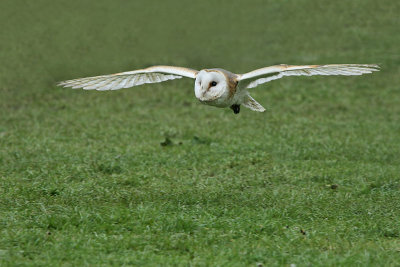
(263, 75)
(154, 74)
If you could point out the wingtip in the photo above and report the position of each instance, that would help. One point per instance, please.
(377, 67)
(61, 84)
(65, 84)
(373, 67)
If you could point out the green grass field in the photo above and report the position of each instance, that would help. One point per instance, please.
(85, 181)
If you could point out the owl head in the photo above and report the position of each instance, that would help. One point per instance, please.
(211, 86)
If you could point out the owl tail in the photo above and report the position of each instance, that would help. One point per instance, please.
(252, 104)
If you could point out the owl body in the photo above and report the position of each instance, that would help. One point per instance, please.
(221, 88)
(216, 87)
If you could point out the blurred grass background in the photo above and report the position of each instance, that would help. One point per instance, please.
(85, 181)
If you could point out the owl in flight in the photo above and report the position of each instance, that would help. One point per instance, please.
(216, 87)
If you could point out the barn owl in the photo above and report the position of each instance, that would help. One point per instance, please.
(216, 87)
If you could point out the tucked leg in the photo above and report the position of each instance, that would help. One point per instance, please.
(235, 108)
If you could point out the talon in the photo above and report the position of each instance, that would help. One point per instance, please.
(235, 108)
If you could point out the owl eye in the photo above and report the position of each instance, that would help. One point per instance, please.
(213, 83)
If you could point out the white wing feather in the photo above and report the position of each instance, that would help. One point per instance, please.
(128, 79)
(255, 78)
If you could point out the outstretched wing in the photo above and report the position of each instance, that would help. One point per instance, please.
(128, 79)
(260, 76)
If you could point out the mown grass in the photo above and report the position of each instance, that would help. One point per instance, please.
(86, 181)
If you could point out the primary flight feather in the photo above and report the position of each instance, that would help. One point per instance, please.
(216, 87)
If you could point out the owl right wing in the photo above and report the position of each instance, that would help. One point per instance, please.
(154, 74)
(263, 75)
